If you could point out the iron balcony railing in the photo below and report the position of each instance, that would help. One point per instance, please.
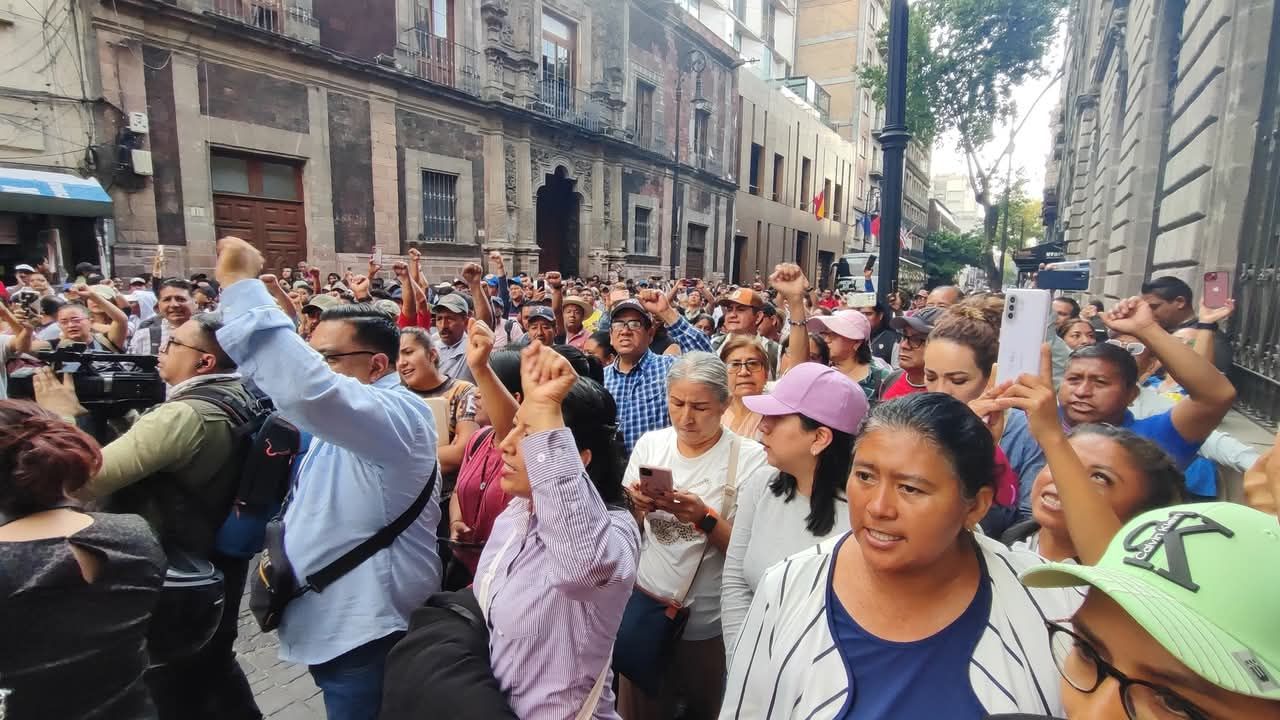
(561, 101)
(442, 62)
(709, 163)
(272, 16)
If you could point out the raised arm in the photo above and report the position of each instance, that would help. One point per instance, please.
(278, 294)
(1091, 521)
(587, 548)
(374, 423)
(789, 280)
(118, 331)
(20, 341)
(408, 305)
(556, 282)
(685, 335)
(498, 403)
(1209, 393)
(473, 276)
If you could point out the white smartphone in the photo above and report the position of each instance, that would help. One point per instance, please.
(377, 256)
(655, 481)
(1026, 314)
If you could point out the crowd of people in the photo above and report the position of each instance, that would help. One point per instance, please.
(543, 497)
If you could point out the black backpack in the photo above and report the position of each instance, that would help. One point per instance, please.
(266, 447)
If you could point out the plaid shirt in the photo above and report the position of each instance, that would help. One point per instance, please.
(641, 394)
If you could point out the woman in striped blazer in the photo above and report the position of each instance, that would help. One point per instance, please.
(911, 614)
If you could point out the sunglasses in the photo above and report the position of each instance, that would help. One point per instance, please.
(1133, 348)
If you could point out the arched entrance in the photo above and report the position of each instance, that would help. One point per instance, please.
(557, 231)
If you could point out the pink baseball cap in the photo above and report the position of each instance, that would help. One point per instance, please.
(849, 324)
(819, 393)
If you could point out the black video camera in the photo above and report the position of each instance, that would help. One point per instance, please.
(103, 381)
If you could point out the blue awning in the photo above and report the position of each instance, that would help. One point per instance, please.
(48, 193)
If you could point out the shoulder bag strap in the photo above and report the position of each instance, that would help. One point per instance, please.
(593, 699)
(349, 560)
(730, 491)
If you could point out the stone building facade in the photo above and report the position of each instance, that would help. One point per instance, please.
(323, 129)
(789, 156)
(1167, 161)
(1157, 135)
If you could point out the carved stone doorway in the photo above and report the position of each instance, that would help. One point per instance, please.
(557, 224)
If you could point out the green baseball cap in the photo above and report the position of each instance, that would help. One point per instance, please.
(1203, 580)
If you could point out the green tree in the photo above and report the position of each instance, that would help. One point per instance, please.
(965, 58)
(1025, 225)
(946, 253)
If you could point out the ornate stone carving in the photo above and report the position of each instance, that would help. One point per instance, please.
(541, 161)
(509, 161)
(582, 172)
(608, 195)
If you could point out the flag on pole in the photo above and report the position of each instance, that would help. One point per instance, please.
(866, 225)
(904, 239)
(875, 226)
(819, 205)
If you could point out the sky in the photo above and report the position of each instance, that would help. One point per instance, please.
(1033, 143)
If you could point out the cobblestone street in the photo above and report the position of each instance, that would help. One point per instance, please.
(284, 691)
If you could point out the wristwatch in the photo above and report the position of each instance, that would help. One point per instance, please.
(1207, 326)
(708, 522)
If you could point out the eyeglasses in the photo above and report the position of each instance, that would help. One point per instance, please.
(171, 341)
(1082, 668)
(1133, 348)
(333, 358)
(633, 325)
(914, 341)
(751, 366)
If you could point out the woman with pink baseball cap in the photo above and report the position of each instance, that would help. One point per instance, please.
(808, 425)
(847, 333)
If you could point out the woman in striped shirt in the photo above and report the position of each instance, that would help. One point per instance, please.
(911, 614)
(561, 560)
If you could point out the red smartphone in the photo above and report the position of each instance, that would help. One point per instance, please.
(1217, 289)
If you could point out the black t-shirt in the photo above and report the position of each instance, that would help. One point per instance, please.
(60, 632)
(882, 344)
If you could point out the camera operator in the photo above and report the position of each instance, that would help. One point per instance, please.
(178, 467)
(76, 322)
(12, 345)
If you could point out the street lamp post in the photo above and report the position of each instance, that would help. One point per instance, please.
(696, 62)
(893, 140)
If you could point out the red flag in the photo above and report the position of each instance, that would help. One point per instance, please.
(875, 226)
(819, 206)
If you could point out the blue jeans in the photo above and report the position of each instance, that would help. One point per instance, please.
(352, 682)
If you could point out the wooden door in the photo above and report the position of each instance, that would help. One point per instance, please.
(274, 227)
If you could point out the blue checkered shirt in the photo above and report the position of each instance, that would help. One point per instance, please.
(641, 394)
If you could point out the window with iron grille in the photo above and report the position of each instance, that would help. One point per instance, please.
(640, 233)
(439, 207)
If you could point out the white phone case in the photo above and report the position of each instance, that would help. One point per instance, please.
(1022, 330)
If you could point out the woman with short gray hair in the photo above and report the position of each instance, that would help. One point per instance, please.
(683, 484)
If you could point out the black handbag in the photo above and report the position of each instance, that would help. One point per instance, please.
(651, 626)
(274, 585)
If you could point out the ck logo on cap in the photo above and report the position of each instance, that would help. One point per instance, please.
(1169, 534)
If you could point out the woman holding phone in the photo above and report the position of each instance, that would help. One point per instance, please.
(683, 481)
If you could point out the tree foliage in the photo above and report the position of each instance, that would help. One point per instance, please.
(964, 60)
(946, 253)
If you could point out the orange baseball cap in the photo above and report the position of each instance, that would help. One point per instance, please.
(743, 296)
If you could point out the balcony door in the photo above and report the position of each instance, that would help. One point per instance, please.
(436, 62)
(559, 39)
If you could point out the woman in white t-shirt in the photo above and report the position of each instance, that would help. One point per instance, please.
(687, 532)
(811, 418)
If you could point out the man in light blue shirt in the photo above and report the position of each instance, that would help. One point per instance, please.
(373, 451)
